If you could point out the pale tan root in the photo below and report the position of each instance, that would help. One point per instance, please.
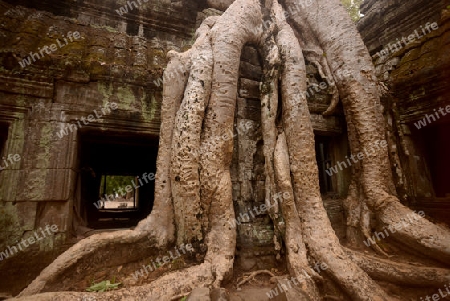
(279, 167)
(229, 35)
(360, 94)
(308, 228)
(162, 289)
(269, 107)
(400, 273)
(185, 180)
(296, 249)
(253, 275)
(414, 231)
(318, 233)
(365, 228)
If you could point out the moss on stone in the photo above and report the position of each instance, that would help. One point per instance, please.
(10, 225)
(108, 28)
(126, 97)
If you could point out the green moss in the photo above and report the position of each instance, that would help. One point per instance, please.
(150, 112)
(37, 177)
(418, 93)
(130, 100)
(103, 286)
(10, 225)
(126, 97)
(123, 93)
(266, 88)
(105, 90)
(97, 69)
(108, 28)
(178, 263)
(45, 143)
(157, 59)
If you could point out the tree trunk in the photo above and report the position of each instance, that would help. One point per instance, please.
(359, 93)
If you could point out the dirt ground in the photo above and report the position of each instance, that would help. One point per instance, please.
(253, 290)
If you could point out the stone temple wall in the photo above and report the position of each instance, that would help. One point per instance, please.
(255, 247)
(115, 59)
(417, 72)
(385, 21)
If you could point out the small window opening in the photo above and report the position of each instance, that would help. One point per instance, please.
(119, 192)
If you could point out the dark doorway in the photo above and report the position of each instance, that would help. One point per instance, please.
(436, 145)
(117, 172)
(3, 138)
(323, 162)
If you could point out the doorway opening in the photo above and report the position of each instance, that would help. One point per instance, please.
(117, 173)
(436, 147)
(3, 138)
(323, 159)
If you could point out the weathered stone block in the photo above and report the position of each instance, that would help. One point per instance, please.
(10, 224)
(46, 185)
(219, 294)
(377, 27)
(26, 212)
(236, 190)
(251, 55)
(54, 213)
(247, 263)
(10, 184)
(249, 88)
(262, 234)
(250, 71)
(266, 262)
(199, 294)
(38, 86)
(249, 109)
(329, 124)
(260, 190)
(246, 188)
(44, 149)
(78, 94)
(246, 235)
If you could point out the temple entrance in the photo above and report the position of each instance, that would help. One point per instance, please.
(436, 148)
(117, 176)
(3, 138)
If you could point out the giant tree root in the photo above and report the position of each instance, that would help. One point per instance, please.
(400, 273)
(253, 275)
(318, 233)
(161, 289)
(421, 235)
(360, 94)
(87, 249)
